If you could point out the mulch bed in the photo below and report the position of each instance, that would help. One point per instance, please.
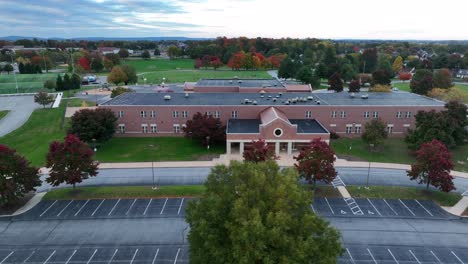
(9, 209)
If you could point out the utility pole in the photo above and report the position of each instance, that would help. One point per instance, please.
(14, 72)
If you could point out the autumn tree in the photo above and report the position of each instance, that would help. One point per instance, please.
(117, 75)
(114, 58)
(257, 206)
(120, 90)
(146, 55)
(354, 86)
(315, 162)
(433, 166)
(422, 82)
(96, 64)
(123, 53)
(259, 151)
(17, 176)
(375, 131)
(43, 98)
(197, 63)
(236, 61)
(206, 129)
(397, 64)
(70, 162)
(335, 83)
(130, 71)
(381, 77)
(98, 124)
(173, 52)
(84, 63)
(442, 78)
(404, 76)
(108, 64)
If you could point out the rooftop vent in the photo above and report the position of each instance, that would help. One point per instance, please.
(280, 94)
(274, 99)
(318, 102)
(186, 95)
(254, 102)
(365, 96)
(239, 81)
(167, 97)
(310, 98)
(262, 96)
(230, 81)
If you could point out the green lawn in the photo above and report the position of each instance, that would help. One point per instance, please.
(180, 76)
(154, 149)
(27, 83)
(33, 138)
(125, 192)
(3, 113)
(394, 150)
(159, 64)
(406, 86)
(77, 102)
(391, 192)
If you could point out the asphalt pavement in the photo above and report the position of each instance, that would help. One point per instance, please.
(20, 107)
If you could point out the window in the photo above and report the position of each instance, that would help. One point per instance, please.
(217, 114)
(208, 114)
(121, 113)
(366, 114)
(376, 114)
(153, 114)
(357, 129)
(234, 114)
(176, 128)
(308, 114)
(408, 114)
(333, 114)
(154, 128)
(122, 128)
(144, 128)
(184, 114)
(398, 114)
(343, 114)
(278, 132)
(389, 129)
(175, 114)
(349, 129)
(143, 113)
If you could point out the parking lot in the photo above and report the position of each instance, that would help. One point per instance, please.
(378, 208)
(133, 255)
(107, 208)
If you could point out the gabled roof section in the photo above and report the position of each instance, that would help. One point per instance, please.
(271, 114)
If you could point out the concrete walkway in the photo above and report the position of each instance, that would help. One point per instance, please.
(458, 208)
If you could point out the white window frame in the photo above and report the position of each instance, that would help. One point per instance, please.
(184, 114)
(399, 114)
(375, 114)
(333, 114)
(153, 114)
(390, 129)
(308, 114)
(122, 128)
(154, 128)
(343, 114)
(408, 115)
(176, 128)
(144, 128)
(217, 114)
(120, 113)
(208, 113)
(357, 129)
(175, 114)
(366, 114)
(143, 114)
(349, 129)
(234, 114)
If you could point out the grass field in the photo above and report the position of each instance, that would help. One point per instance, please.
(406, 86)
(33, 138)
(159, 64)
(180, 76)
(154, 149)
(390, 192)
(3, 113)
(27, 83)
(394, 150)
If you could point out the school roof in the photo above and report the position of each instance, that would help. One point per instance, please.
(251, 126)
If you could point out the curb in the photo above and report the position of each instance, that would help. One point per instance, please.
(29, 205)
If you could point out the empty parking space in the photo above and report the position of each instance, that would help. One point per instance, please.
(379, 208)
(107, 208)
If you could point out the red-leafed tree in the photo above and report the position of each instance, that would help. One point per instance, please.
(84, 63)
(215, 62)
(315, 162)
(197, 64)
(236, 61)
(335, 83)
(206, 129)
(404, 76)
(433, 165)
(275, 60)
(70, 162)
(259, 151)
(17, 176)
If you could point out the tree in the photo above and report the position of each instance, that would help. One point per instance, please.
(90, 125)
(405, 76)
(50, 84)
(433, 166)
(306, 75)
(117, 75)
(43, 98)
(257, 206)
(215, 62)
(17, 176)
(70, 162)
(75, 82)
(130, 71)
(173, 52)
(381, 77)
(108, 64)
(335, 83)
(114, 58)
(8, 68)
(97, 64)
(315, 162)
(123, 53)
(120, 90)
(206, 129)
(354, 86)
(374, 132)
(198, 63)
(59, 86)
(443, 78)
(84, 63)
(259, 151)
(145, 55)
(157, 52)
(397, 64)
(236, 61)
(67, 85)
(457, 117)
(422, 82)
(369, 58)
(21, 68)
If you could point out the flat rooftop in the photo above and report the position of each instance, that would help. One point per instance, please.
(304, 126)
(317, 99)
(243, 83)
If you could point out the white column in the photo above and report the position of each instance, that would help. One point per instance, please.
(290, 148)
(228, 147)
(277, 148)
(241, 148)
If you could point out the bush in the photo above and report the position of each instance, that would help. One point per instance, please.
(379, 88)
(451, 94)
(120, 90)
(50, 84)
(334, 135)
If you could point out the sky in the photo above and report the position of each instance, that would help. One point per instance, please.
(334, 19)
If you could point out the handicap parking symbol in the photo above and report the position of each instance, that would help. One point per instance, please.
(370, 212)
(343, 212)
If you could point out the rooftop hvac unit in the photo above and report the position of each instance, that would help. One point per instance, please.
(230, 81)
(310, 98)
(318, 102)
(365, 96)
(239, 81)
(167, 97)
(274, 99)
(254, 102)
(280, 94)
(261, 96)
(186, 95)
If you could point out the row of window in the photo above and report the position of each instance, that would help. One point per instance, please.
(357, 129)
(153, 128)
(367, 114)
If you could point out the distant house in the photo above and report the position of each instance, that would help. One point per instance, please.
(22, 48)
(463, 73)
(108, 50)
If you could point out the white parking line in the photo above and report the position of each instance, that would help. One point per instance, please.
(49, 257)
(73, 254)
(424, 207)
(375, 208)
(390, 207)
(65, 208)
(48, 208)
(11, 253)
(113, 255)
(176, 256)
(32, 253)
(92, 256)
(130, 208)
(326, 200)
(435, 256)
(312, 207)
(414, 256)
(97, 208)
(406, 207)
(372, 256)
(351, 256)
(163, 206)
(134, 255)
(389, 251)
(81, 208)
(146, 209)
(115, 205)
(155, 256)
(180, 206)
(453, 253)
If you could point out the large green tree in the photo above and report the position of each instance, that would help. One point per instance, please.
(422, 82)
(130, 72)
(442, 78)
(257, 213)
(374, 132)
(98, 124)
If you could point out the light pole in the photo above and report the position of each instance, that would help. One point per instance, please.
(208, 142)
(43, 59)
(14, 72)
(368, 174)
(155, 187)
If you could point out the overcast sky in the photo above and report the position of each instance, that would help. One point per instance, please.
(362, 19)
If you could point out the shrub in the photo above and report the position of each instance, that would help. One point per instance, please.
(50, 84)
(334, 135)
(379, 88)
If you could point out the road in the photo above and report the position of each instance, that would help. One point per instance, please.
(20, 107)
(191, 176)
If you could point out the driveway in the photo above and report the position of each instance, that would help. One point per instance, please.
(20, 107)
